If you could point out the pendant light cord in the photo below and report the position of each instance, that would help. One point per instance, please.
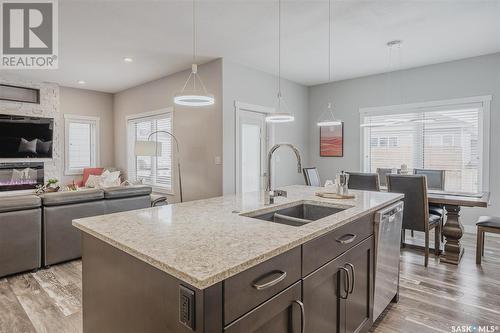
(194, 32)
(279, 49)
(329, 40)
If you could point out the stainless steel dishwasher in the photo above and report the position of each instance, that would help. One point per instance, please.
(388, 223)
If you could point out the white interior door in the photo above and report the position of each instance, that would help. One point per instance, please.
(251, 151)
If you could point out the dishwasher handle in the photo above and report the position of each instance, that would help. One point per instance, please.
(389, 214)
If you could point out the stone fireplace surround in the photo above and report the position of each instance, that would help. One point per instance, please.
(49, 108)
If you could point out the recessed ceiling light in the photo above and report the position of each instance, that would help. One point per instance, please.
(128, 59)
(81, 82)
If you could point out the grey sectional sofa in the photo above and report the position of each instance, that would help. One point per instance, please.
(20, 234)
(37, 231)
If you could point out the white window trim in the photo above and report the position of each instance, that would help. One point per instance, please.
(97, 160)
(408, 108)
(131, 153)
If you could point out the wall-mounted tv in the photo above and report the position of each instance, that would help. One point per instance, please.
(25, 137)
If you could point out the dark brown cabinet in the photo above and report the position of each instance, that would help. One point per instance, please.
(338, 296)
(281, 314)
(322, 286)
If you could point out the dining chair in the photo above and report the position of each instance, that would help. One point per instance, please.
(311, 176)
(485, 224)
(435, 181)
(435, 178)
(363, 181)
(416, 214)
(382, 175)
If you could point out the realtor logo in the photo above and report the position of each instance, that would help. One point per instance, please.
(29, 34)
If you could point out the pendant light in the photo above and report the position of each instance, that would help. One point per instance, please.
(194, 92)
(281, 115)
(327, 118)
(392, 47)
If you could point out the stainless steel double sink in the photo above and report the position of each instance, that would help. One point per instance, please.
(299, 214)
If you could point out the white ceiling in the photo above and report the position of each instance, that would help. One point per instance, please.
(96, 35)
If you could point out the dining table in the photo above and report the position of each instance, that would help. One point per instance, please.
(453, 229)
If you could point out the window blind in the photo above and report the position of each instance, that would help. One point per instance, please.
(81, 144)
(445, 138)
(155, 171)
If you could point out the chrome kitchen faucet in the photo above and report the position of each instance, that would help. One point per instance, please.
(271, 194)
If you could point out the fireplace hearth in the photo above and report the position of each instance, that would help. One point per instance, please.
(21, 176)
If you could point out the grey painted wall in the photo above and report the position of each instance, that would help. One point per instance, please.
(95, 104)
(469, 77)
(199, 130)
(251, 86)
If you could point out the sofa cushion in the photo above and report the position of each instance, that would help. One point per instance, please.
(66, 198)
(116, 192)
(90, 171)
(110, 179)
(19, 202)
(93, 181)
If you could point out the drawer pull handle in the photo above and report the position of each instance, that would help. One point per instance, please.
(346, 239)
(273, 282)
(302, 316)
(347, 282)
(353, 270)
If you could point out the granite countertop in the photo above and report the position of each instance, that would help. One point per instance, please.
(206, 241)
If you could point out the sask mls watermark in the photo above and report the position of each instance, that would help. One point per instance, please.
(474, 328)
(29, 34)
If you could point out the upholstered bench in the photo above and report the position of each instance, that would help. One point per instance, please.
(20, 234)
(485, 224)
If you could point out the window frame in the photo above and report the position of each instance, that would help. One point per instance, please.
(131, 158)
(483, 129)
(95, 142)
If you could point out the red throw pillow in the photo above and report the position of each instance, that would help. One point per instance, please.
(90, 171)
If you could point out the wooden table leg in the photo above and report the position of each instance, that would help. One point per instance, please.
(453, 231)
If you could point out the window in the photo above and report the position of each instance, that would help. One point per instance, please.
(449, 136)
(81, 143)
(152, 170)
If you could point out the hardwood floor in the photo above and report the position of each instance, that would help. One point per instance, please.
(46, 301)
(432, 299)
(436, 298)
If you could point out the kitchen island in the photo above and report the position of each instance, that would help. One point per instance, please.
(217, 265)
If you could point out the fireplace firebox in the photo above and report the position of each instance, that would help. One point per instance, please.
(21, 176)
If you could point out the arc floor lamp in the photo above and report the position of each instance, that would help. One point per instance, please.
(153, 148)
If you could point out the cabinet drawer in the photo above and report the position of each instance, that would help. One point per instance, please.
(321, 250)
(250, 288)
(280, 314)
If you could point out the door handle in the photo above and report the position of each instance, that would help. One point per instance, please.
(302, 316)
(351, 267)
(346, 283)
(273, 282)
(346, 239)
